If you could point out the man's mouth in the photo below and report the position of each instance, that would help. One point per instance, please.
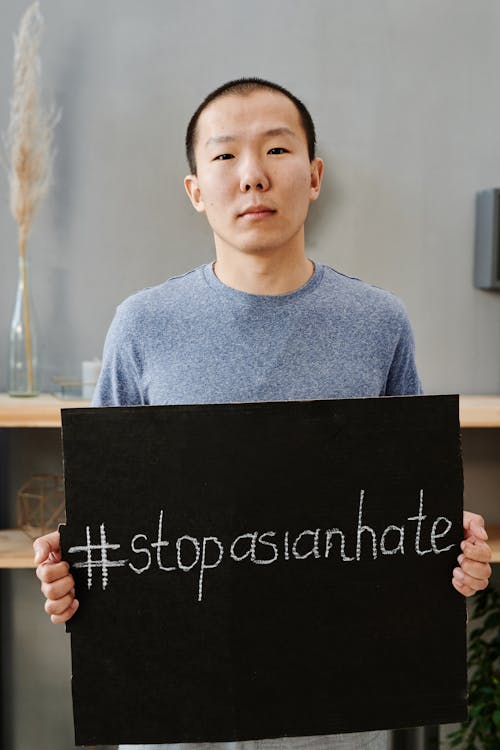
(257, 212)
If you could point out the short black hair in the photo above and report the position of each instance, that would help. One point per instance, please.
(244, 87)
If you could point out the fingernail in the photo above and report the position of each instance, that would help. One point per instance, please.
(460, 558)
(74, 604)
(462, 545)
(38, 555)
(457, 573)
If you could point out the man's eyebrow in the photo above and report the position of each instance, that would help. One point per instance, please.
(280, 131)
(230, 138)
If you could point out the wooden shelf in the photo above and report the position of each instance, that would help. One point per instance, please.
(36, 411)
(16, 549)
(44, 410)
(480, 411)
(494, 541)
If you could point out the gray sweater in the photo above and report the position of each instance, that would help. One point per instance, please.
(194, 340)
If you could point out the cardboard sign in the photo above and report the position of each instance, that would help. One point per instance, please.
(264, 570)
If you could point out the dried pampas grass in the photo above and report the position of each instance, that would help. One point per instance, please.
(30, 132)
(30, 158)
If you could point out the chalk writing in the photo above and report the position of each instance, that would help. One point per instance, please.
(257, 548)
(103, 563)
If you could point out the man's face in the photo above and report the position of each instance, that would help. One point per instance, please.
(255, 180)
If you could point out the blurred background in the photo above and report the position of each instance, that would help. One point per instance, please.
(405, 100)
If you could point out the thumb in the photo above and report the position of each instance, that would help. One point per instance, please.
(47, 548)
(479, 531)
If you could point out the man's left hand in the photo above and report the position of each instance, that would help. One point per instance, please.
(474, 560)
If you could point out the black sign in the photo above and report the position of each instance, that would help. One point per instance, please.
(264, 570)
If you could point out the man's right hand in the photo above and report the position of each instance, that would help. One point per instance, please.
(58, 585)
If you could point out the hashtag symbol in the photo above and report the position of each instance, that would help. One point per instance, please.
(103, 562)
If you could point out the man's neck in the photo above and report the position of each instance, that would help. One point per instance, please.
(275, 273)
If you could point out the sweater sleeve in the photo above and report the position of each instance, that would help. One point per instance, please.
(403, 379)
(120, 381)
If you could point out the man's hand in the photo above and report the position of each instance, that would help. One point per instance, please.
(58, 585)
(474, 561)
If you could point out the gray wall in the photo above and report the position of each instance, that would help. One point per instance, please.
(405, 97)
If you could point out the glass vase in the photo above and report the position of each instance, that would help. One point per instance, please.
(23, 356)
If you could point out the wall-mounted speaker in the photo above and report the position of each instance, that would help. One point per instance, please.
(487, 251)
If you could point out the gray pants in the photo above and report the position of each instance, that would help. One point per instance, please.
(379, 740)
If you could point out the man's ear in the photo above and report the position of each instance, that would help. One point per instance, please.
(317, 166)
(193, 190)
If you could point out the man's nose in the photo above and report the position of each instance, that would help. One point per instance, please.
(253, 177)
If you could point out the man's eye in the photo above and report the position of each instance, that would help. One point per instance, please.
(221, 157)
(278, 150)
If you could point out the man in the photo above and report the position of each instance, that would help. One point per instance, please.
(263, 322)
